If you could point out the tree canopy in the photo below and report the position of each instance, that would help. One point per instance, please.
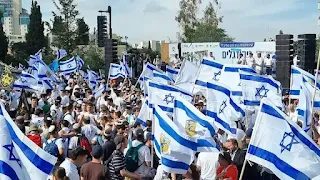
(201, 29)
(3, 41)
(82, 32)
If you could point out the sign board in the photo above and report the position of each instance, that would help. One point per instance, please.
(224, 52)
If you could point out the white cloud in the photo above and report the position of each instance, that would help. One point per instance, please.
(245, 20)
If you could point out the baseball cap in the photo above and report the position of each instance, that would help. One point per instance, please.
(33, 127)
(76, 126)
(52, 128)
(118, 140)
(139, 132)
(97, 151)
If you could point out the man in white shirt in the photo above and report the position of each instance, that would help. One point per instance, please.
(175, 61)
(89, 130)
(259, 64)
(241, 60)
(57, 110)
(77, 158)
(250, 60)
(207, 164)
(65, 99)
(268, 64)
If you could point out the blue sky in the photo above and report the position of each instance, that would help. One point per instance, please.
(245, 20)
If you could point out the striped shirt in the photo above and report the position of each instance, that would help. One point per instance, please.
(117, 164)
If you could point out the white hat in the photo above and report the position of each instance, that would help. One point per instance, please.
(52, 128)
(76, 87)
(68, 88)
(76, 126)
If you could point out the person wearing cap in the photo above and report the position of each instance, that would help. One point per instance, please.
(101, 100)
(78, 157)
(34, 135)
(117, 165)
(94, 169)
(226, 170)
(56, 107)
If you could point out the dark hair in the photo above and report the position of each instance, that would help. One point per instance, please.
(226, 157)
(89, 104)
(78, 151)
(149, 123)
(65, 123)
(60, 173)
(234, 142)
(47, 123)
(34, 98)
(38, 112)
(118, 113)
(121, 126)
(77, 94)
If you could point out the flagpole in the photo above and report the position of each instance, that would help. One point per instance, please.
(315, 87)
(243, 168)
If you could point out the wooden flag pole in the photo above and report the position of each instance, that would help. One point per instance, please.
(315, 87)
(243, 168)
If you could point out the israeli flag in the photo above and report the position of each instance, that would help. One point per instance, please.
(39, 54)
(98, 92)
(209, 70)
(187, 76)
(172, 72)
(255, 87)
(195, 124)
(44, 77)
(21, 67)
(175, 151)
(287, 151)
(161, 78)
(80, 62)
(296, 76)
(61, 53)
(304, 108)
(147, 72)
(21, 158)
(92, 78)
(144, 113)
(84, 75)
(116, 71)
(309, 85)
(69, 66)
(125, 65)
(27, 82)
(164, 95)
(222, 108)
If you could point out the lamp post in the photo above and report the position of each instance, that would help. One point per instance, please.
(126, 38)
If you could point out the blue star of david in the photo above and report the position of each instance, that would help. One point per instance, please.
(215, 75)
(23, 80)
(262, 92)
(69, 65)
(239, 84)
(241, 102)
(168, 98)
(222, 107)
(12, 157)
(288, 146)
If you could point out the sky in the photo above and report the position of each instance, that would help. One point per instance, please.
(244, 20)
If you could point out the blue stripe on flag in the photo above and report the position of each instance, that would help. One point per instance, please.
(294, 92)
(207, 144)
(174, 134)
(235, 69)
(259, 79)
(172, 71)
(212, 64)
(280, 164)
(162, 76)
(141, 122)
(33, 157)
(7, 170)
(236, 93)
(66, 62)
(294, 71)
(168, 88)
(69, 70)
(169, 163)
(179, 104)
(223, 124)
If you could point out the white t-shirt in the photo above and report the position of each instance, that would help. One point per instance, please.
(71, 169)
(90, 131)
(36, 120)
(58, 111)
(144, 156)
(73, 142)
(259, 63)
(268, 62)
(58, 142)
(208, 164)
(15, 98)
(251, 62)
(65, 100)
(69, 118)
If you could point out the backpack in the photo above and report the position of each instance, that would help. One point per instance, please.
(132, 158)
(84, 142)
(52, 148)
(36, 139)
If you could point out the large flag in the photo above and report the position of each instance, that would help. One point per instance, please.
(61, 53)
(195, 124)
(80, 62)
(20, 158)
(304, 107)
(84, 75)
(209, 70)
(255, 87)
(187, 76)
(175, 151)
(69, 66)
(116, 71)
(222, 108)
(147, 72)
(164, 95)
(161, 77)
(144, 113)
(287, 151)
(44, 78)
(92, 78)
(172, 72)
(27, 82)
(8, 76)
(125, 66)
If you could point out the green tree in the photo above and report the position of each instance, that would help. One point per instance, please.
(64, 26)
(201, 29)
(3, 42)
(35, 38)
(19, 53)
(82, 32)
(92, 56)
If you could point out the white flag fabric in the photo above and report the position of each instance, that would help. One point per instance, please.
(45, 77)
(175, 151)
(92, 78)
(125, 66)
(187, 76)
(195, 124)
(172, 72)
(116, 71)
(148, 72)
(61, 53)
(304, 108)
(287, 151)
(21, 158)
(209, 70)
(80, 62)
(222, 108)
(164, 95)
(144, 113)
(68, 66)
(255, 87)
(27, 82)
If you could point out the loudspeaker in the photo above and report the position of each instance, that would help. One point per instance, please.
(306, 52)
(284, 58)
(179, 50)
